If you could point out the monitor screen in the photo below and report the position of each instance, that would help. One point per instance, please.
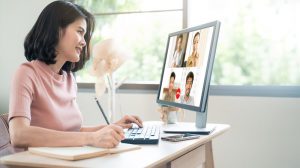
(188, 66)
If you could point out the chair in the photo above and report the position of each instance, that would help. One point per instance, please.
(5, 146)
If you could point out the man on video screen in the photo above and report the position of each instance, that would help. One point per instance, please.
(169, 93)
(187, 98)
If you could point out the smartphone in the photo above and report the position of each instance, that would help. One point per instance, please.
(180, 137)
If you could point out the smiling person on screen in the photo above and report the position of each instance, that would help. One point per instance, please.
(187, 98)
(43, 110)
(193, 59)
(169, 94)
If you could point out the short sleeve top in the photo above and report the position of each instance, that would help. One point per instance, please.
(46, 98)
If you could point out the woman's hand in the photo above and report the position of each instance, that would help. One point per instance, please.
(126, 121)
(107, 137)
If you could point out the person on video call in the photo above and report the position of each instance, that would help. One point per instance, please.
(187, 98)
(43, 110)
(169, 94)
(193, 59)
(178, 52)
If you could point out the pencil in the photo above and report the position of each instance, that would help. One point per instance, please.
(102, 111)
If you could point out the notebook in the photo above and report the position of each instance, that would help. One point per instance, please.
(78, 153)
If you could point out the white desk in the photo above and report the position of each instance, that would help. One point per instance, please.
(191, 153)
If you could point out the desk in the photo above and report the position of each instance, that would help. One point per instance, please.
(191, 153)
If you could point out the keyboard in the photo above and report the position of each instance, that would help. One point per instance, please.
(149, 134)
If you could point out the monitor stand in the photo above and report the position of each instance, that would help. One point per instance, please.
(199, 127)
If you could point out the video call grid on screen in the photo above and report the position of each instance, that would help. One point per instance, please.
(187, 52)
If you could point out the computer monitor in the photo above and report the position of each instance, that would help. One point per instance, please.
(186, 73)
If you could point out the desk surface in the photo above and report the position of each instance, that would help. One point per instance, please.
(147, 156)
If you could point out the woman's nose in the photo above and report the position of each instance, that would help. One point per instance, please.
(82, 42)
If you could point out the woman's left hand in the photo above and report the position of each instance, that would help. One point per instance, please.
(126, 121)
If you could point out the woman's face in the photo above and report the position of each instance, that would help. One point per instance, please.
(71, 41)
(178, 45)
(196, 43)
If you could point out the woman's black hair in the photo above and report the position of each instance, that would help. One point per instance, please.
(40, 43)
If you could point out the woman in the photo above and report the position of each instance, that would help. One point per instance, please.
(193, 59)
(177, 56)
(43, 109)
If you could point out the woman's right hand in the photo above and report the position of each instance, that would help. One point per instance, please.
(107, 137)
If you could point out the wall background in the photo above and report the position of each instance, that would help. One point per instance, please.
(264, 130)
(16, 19)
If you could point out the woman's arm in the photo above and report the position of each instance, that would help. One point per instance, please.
(24, 135)
(91, 129)
(127, 120)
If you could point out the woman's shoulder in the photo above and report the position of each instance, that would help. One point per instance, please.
(28, 71)
(26, 68)
(24, 76)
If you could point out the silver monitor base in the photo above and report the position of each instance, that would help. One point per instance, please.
(199, 127)
(179, 128)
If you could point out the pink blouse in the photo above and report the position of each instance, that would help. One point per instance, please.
(46, 98)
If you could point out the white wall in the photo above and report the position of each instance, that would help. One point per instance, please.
(16, 19)
(264, 133)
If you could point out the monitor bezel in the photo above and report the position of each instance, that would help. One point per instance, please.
(207, 79)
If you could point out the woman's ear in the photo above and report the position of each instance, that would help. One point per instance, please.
(61, 32)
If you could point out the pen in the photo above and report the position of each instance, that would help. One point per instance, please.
(102, 111)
